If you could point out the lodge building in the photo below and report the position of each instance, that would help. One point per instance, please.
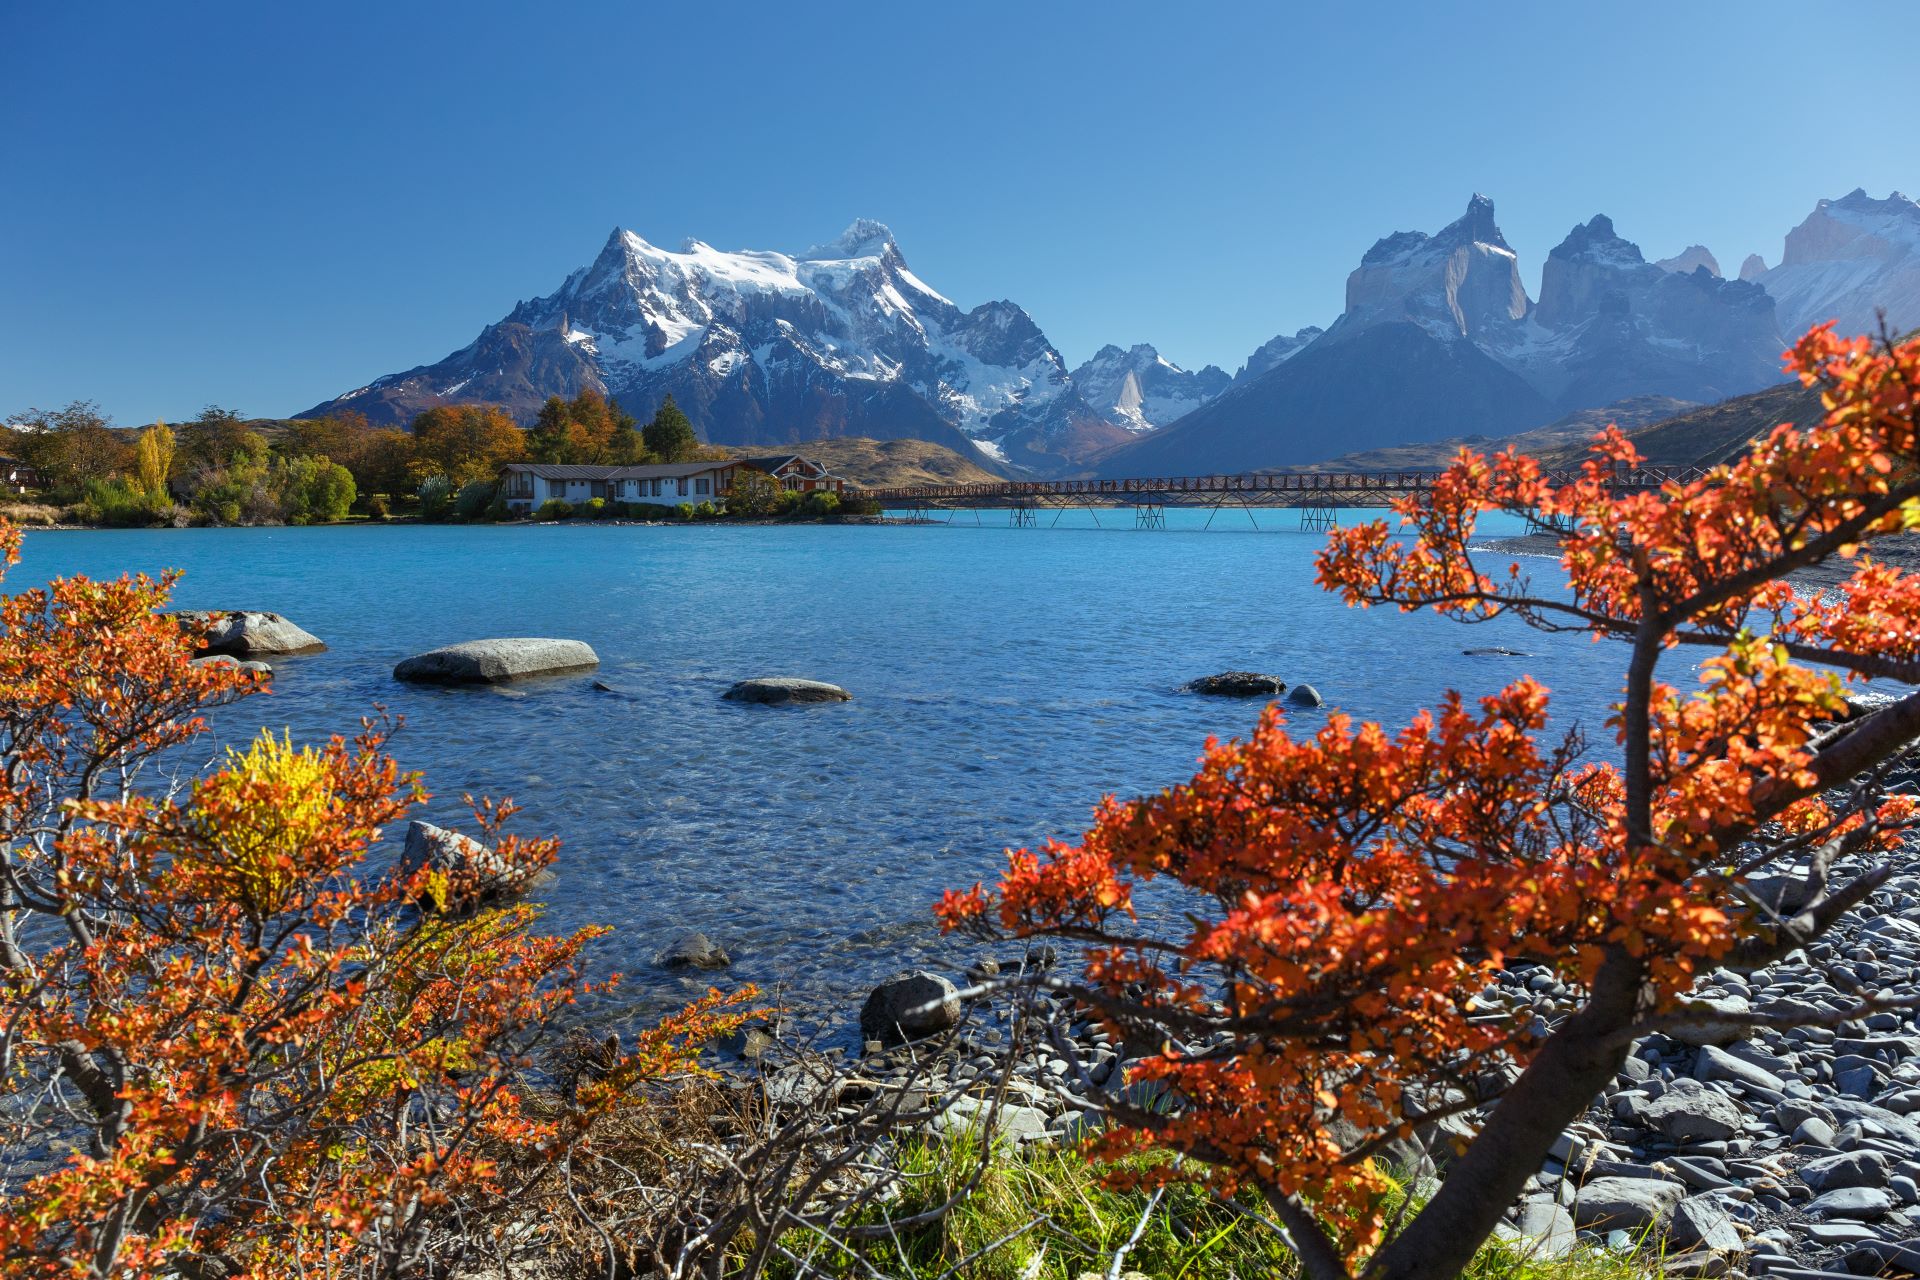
(524, 486)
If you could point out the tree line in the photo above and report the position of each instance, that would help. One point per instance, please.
(223, 468)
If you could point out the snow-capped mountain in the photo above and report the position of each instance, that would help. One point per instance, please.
(1276, 349)
(771, 348)
(1690, 259)
(1140, 389)
(1849, 259)
(1439, 339)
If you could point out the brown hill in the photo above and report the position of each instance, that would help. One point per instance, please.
(1717, 432)
(1572, 431)
(875, 464)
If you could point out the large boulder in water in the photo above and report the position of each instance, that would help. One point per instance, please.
(909, 1006)
(242, 633)
(780, 689)
(496, 661)
(1238, 684)
(1303, 695)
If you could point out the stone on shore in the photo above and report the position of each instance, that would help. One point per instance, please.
(694, 951)
(1238, 684)
(242, 633)
(1627, 1204)
(496, 661)
(1691, 1112)
(773, 690)
(1304, 695)
(478, 875)
(910, 1006)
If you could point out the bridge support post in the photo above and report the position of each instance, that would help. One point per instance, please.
(1022, 517)
(1319, 515)
(1150, 515)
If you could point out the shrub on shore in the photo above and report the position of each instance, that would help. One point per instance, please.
(554, 509)
(1356, 891)
(239, 1050)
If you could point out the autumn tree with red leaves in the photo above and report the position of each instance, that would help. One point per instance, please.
(229, 1047)
(1350, 896)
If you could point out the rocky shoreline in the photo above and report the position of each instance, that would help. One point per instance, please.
(1735, 1151)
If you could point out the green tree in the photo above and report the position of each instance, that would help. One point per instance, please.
(313, 490)
(670, 436)
(383, 462)
(71, 446)
(217, 439)
(754, 493)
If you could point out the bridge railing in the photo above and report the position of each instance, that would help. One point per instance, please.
(1160, 488)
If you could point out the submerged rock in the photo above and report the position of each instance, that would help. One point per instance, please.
(779, 689)
(244, 632)
(694, 951)
(494, 661)
(1304, 695)
(1238, 684)
(260, 669)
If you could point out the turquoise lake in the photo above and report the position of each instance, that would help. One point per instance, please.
(1004, 680)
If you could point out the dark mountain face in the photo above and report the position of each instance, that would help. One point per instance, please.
(1387, 384)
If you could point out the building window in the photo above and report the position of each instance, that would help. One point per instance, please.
(683, 486)
(701, 485)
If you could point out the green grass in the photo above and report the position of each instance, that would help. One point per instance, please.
(1044, 1215)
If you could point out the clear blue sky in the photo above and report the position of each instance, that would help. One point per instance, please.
(263, 205)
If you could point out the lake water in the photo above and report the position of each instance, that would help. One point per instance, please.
(1004, 679)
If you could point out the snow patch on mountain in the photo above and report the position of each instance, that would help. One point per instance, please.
(1850, 259)
(1140, 389)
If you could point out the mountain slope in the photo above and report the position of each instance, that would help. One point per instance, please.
(763, 348)
(874, 464)
(1572, 431)
(1384, 385)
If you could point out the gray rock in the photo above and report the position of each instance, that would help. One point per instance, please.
(479, 875)
(1852, 1169)
(1709, 1028)
(1238, 684)
(783, 689)
(1690, 1112)
(496, 661)
(1715, 1063)
(243, 633)
(260, 669)
(1700, 1223)
(1813, 1132)
(1304, 695)
(1860, 1204)
(694, 951)
(1627, 1204)
(909, 1006)
(1546, 1228)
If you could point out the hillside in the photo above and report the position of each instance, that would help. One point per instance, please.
(875, 464)
(1572, 431)
(1714, 433)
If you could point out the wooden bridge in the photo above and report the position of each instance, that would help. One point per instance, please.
(1317, 494)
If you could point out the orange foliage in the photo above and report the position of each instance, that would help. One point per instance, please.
(1348, 898)
(224, 1035)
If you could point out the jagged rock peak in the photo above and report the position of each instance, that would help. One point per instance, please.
(863, 238)
(1595, 240)
(1753, 268)
(1277, 350)
(1476, 224)
(1691, 259)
